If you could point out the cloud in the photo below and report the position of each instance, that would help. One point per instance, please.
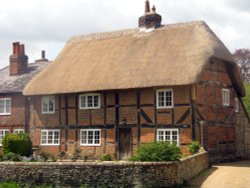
(48, 24)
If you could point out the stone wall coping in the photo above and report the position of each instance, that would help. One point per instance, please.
(102, 163)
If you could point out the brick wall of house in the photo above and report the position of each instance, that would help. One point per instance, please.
(16, 119)
(130, 103)
(221, 122)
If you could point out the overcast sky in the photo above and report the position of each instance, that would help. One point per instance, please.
(48, 24)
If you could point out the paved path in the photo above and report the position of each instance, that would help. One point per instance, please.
(226, 175)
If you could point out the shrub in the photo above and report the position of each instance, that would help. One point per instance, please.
(17, 143)
(61, 155)
(77, 153)
(44, 156)
(157, 151)
(12, 157)
(105, 157)
(194, 147)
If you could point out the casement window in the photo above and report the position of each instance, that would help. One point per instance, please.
(168, 135)
(90, 101)
(5, 106)
(18, 131)
(164, 98)
(225, 97)
(236, 104)
(48, 104)
(50, 137)
(3, 132)
(90, 137)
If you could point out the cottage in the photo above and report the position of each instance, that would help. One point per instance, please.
(14, 107)
(110, 92)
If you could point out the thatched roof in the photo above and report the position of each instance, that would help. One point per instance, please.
(170, 55)
(16, 83)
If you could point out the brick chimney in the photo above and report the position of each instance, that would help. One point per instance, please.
(149, 19)
(18, 59)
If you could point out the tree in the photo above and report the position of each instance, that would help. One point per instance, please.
(242, 58)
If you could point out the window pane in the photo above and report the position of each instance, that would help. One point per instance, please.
(96, 100)
(51, 104)
(90, 101)
(97, 137)
(90, 137)
(84, 137)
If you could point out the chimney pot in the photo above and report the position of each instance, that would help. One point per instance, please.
(43, 54)
(153, 9)
(147, 6)
(22, 49)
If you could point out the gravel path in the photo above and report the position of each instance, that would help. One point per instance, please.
(226, 175)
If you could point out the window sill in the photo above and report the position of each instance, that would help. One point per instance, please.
(164, 107)
(48, 113)
(49, 144)
(89, 108)
(7, 114)
(95, 145)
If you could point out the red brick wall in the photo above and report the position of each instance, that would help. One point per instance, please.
(219, 129)
(16, 120)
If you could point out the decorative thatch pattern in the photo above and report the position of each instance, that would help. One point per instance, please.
(171, 55)
(16, 83)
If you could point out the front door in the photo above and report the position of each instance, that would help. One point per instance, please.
(124, 143)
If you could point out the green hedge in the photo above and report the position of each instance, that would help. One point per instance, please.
(17, 143)
(158, 152)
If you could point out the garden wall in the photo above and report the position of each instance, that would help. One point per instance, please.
(104, 174)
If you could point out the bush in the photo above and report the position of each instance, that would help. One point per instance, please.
(17, 143)
(61, 155)
(44, 156)
(12, 157)
(194, 147)
(105, 157)
(77, 154)
(158, 152)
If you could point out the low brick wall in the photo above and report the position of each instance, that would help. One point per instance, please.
(104, 174)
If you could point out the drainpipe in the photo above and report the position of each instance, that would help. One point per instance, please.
(201, 133)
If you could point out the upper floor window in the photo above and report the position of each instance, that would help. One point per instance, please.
(225, 97)
(90, 101)
(5, 106)
(3, 132)
(236, 104)
(90, 137)
(164, 98)
(18, 131)
(168, 135)
(50, 137)
(48, 104)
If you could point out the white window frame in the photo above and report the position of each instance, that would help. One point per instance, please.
(171, 135)
(86, 101)
(225, 97)
(46, 100)
(53, 136)
(90, 144)
(4, 133)
(157, 99)
(5, 106)
(18, 131)
(236, 104)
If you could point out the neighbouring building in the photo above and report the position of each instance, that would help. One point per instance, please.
(110, 92)
(14, 107)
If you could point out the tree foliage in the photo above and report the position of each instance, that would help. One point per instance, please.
(242, 58)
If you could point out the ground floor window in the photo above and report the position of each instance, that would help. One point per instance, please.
(3, 132)
(169, 135)
(50, 137)
(18, 131)
(90, 137)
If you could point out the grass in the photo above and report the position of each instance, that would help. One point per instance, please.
(15, 185)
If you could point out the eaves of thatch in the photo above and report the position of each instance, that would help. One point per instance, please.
(174, 54)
